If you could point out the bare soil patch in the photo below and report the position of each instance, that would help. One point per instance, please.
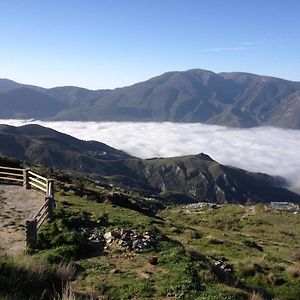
(16, 206)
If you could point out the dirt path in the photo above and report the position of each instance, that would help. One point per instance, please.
(16, 205)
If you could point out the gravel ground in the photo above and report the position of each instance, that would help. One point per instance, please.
(16, 206)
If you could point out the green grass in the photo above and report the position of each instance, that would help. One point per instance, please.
(260, 247)
(118, 275)
(118, 216)
(247, 243)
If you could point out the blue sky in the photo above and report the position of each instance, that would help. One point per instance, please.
(107, 44)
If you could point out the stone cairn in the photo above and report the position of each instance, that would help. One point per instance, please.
(125, 239)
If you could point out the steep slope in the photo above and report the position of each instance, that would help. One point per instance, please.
(28, 103)
(38, 144)
(200, 177)
(180, 179)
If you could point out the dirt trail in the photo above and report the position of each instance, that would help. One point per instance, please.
(16, 205)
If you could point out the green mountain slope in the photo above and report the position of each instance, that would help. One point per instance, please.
(38, 144)
(26, 103)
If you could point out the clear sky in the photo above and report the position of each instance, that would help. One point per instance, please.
(112, 43)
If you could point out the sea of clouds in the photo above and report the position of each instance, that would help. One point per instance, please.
(270, 150)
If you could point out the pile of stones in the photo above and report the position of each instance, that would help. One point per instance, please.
(130, 240)
(223, 266)
(126, 239)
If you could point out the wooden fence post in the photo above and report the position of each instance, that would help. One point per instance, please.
(31, 234)
(26, 179)
(50, 188)
(51, 204)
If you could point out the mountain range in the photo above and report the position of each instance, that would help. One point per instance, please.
(231, 99)
(186, 179)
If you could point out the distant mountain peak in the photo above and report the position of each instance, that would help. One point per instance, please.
(204, 156)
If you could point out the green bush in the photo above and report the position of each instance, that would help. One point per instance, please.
(62, 238)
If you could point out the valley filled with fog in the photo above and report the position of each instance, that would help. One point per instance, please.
(270, 150)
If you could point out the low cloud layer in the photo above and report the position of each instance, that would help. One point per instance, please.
(269, 150)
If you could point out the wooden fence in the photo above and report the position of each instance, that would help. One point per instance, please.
(12, 174)
(29, 179)
(32, 180)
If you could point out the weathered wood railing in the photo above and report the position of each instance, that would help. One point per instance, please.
(32, 180)
(12, 174)
(40, 183)
(43, 212)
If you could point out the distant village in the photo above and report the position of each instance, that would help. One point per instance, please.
(286, 206)
(280, 206)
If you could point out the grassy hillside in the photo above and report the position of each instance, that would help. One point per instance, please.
(261, 247)
(209, 252)
(104, 242)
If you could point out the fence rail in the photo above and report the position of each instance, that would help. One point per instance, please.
(43, 212)
(28, 178)
(38, 182)
(32, 180)
(11, 174)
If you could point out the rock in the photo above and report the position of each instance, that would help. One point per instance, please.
(71, 192)
(136, 243)
(97, 237)
(86, 231)
(111, 236)
(223, 266)
(152, 260)
(125, 231)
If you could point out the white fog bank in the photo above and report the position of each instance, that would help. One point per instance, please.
(270, 150)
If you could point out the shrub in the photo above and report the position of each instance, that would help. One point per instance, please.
(61, 235)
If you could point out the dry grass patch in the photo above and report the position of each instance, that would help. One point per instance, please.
(294, 270)
(66, 270)
(256, 296)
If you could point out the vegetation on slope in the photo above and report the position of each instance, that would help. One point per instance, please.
(210, 252)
